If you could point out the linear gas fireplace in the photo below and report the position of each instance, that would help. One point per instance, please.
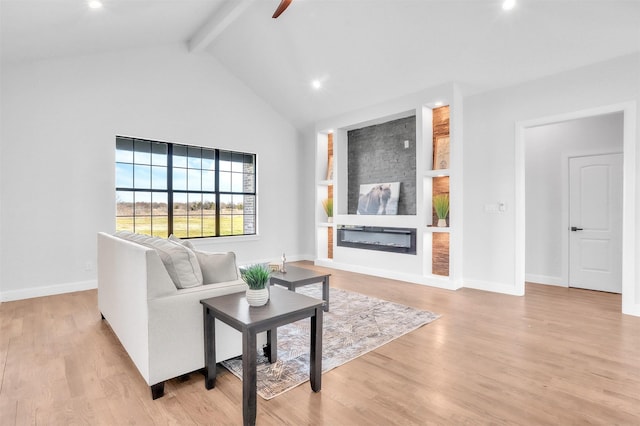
(381, 238)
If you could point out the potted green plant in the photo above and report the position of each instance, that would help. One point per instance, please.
(327, 203)
(441, 206)
(257, 278)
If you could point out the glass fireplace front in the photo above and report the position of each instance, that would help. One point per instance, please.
(380, 238)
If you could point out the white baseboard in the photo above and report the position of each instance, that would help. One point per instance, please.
(493, 287)
(433, 281)
(444, 282)
(631, 309)
(370, 271)
(50, 290)
(545, 279)
(290, 258)
(308, 257)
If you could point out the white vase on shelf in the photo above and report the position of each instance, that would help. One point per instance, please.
(442, 223)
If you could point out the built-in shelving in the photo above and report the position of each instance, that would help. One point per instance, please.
(438, 185)
(433, 264)
(324, 190)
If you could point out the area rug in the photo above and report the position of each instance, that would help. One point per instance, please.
(355, 324)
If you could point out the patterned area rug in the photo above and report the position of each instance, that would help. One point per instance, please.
(355, 325)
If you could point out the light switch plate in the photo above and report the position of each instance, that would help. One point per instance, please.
(491, 208)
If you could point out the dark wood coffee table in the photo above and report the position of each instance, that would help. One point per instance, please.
(296, 277)
(282, 308)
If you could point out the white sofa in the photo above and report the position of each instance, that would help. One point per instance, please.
(159, 325)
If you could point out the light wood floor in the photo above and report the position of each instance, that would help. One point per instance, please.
(556, 356)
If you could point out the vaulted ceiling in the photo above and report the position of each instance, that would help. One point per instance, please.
(363, 51)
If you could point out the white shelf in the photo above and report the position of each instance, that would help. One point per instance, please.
(437, 173)
(437, 229)
(325, 182)
(325, 224)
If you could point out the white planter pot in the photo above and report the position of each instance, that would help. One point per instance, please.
(257, 297)
(442, 223)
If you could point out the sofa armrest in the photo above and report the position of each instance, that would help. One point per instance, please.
(122, 295)
(128, 275)
(176, 336)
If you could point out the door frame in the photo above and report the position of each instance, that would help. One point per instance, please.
(630, 302)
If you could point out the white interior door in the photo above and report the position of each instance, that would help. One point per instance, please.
(595, 220)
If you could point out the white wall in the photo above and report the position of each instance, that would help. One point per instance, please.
(59, 121)
(548, 148)
(489, 248)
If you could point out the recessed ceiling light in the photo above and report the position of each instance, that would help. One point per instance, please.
(508, 4)
(316, 84)
(95, 4)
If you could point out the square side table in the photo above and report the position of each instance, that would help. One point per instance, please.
(282, 308)
(297, 277)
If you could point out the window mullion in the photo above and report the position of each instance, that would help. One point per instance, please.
(169, 189)
(217, 189)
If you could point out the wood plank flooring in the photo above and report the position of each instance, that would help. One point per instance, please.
(554, 357)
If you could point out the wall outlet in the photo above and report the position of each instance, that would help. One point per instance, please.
(88, 266)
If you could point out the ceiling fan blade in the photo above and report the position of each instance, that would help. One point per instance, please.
(281, 8)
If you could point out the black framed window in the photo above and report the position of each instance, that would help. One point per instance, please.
(165, 188)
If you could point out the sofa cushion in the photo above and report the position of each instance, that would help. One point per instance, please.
(217, 267)
(181, 263)
(185, 243)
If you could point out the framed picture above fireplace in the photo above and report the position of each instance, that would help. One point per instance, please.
(379, 198)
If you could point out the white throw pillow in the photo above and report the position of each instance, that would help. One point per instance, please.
(181, 263)
(185, 243)
(217, 267)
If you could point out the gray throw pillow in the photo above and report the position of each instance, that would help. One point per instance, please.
(181, 263)
(217, 267)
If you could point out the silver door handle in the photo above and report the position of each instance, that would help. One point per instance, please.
(574, 229)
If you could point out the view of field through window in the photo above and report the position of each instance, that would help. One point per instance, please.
(188, 191)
